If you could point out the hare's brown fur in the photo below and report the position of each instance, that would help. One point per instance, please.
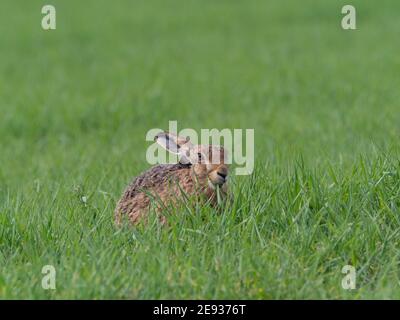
(167, 183)
(163, 183)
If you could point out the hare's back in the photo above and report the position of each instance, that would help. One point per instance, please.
(153, 177)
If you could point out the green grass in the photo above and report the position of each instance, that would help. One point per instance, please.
(75, 104)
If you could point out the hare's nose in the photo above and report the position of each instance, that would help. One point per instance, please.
(222, 174)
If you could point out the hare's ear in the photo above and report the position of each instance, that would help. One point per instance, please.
(167, 141)
(175, 144)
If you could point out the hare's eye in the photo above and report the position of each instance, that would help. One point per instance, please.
(199, 156)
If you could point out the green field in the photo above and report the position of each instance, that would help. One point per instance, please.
(76, 103)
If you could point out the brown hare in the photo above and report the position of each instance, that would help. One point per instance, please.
(200, 172)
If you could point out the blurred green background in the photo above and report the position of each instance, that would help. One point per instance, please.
(76, 103)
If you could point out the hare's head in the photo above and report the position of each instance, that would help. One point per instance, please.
(207, 161)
